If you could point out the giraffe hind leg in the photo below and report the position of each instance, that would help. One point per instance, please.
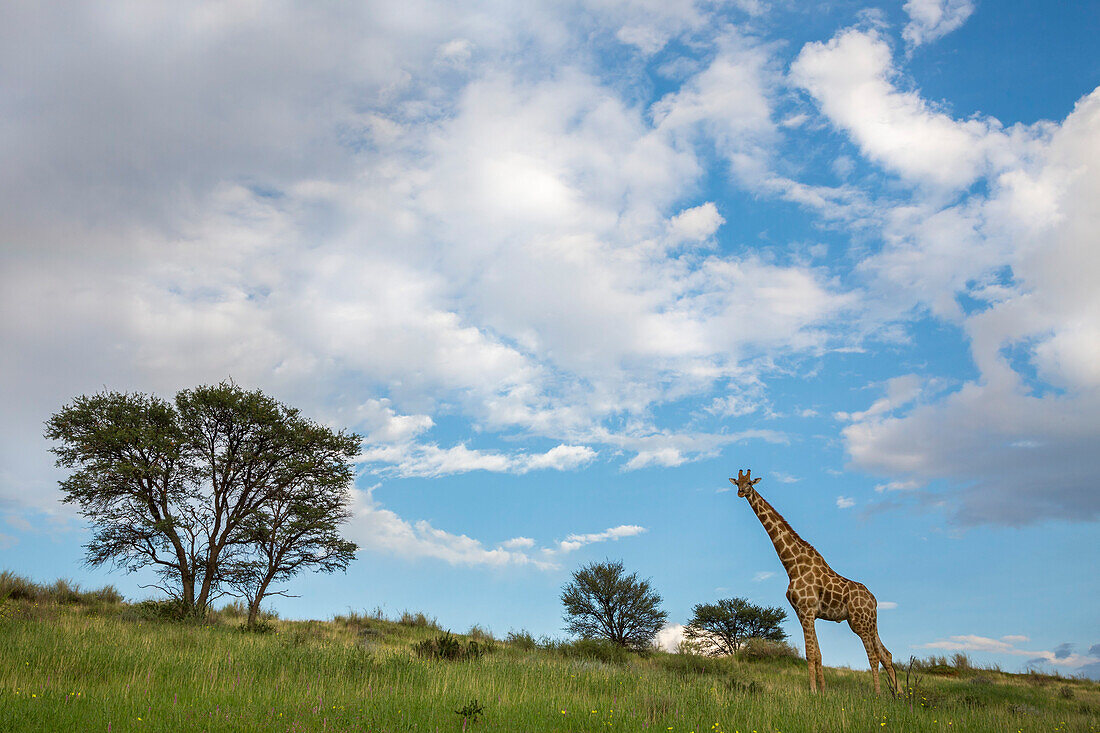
(865, 629)
(887, 662)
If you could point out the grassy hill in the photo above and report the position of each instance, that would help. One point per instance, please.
(86, 661)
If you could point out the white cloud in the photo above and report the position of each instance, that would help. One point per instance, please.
(1061, 657)
(377, 529)
(728, 102)
(695, 224)
(429, 460)
(900, 391)
(1031, 341)
(762, 575)
(574, 542)
(845, 502)
(897, 486)
(383, 425)
(887, 605)
(407, 224)
(852, 78)
(669, 638)
(932, 19)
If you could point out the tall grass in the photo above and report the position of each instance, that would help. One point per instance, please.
(67, 667)
(18, 588)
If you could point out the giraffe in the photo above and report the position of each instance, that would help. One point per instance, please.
(817, 591)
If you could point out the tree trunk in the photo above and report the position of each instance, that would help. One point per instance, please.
(254, 604)
(188, 582)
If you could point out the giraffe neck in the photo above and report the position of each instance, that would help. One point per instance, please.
(791, 548)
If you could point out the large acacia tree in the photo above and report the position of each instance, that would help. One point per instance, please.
(604, 602)
(181, 487)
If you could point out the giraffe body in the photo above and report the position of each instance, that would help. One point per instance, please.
(817, 591)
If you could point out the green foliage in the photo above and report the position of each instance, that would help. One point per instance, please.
(222, 488)
(754, 650)
(447, 646)
(418, 620)
(722, 627)
(603, 602)
(522, 640)
(470, 712)
(172, 609)
(18, 588)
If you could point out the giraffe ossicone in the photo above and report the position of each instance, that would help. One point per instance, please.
(817, 591)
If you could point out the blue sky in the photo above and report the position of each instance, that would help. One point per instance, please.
(567, 267)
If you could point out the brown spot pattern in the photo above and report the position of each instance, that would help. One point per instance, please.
(817, 591)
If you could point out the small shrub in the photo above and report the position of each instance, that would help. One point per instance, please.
(943, 670)
(154, 610)
(169, 610)
(234, 610)
(756, 650)
(447, 646)
(417, 620)
(479, 634)
(522, 640)
(470, 712)
(1066, 692)
(961, 662)
(106, 594)
(17, 588)
(63, 592)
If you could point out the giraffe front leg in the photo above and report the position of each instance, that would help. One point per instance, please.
(813, 653)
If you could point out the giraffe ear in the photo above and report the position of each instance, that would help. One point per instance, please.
(733, 481)
(755, 481)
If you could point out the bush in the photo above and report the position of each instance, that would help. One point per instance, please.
(107, 594)
(479, 634)
(943, 670)
(233, 610)
(760, 649)
(449, 647)
(522, 640)
(417, 620)
(165, 610)
(362, 618)
(17, 588)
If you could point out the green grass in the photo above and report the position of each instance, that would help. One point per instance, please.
(103, 666)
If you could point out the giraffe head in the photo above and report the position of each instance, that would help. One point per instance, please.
(744, 482)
